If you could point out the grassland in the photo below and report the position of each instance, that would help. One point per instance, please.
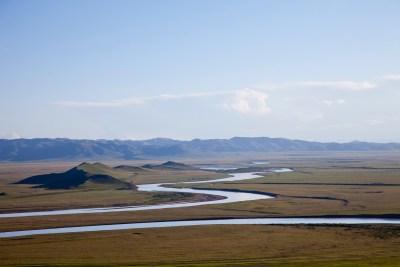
(20, 197)
(322, 185)
(231, 245)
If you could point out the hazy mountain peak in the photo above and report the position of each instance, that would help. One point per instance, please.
(62, 149)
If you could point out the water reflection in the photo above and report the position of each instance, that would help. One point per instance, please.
(267, 221)
(229, 197)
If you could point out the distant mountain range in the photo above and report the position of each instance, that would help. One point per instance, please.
(61, 149)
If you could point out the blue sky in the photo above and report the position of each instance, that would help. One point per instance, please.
(312, 70)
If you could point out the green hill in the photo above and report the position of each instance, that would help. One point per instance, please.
(169, 165)
(131, 169)
(83, 175)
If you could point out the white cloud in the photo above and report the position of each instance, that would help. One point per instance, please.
(337, 85)
(4, 135)
(114, 103)
(258, 98)
(330, 103)
(392, 77)
(191, 95)
(135, 101)
(249, 101)
(342, 85)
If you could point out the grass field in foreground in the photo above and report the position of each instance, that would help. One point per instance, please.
(321, 185)
(318, 186)
(228, 245)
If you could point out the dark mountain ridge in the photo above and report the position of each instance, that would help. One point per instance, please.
(170, 165)
(62, 149)
(83, 174)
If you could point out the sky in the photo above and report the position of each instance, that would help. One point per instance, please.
(310, 70)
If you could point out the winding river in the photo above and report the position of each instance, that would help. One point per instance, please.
(269, 221)
(228, 197)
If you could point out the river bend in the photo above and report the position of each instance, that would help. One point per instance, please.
(228, 197)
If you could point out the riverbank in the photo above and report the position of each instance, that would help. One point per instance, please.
(218, 245)
(314, 190)
(251, 221)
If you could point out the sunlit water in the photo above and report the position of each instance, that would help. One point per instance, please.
(266, 221)
(259, 162)
(228, 197)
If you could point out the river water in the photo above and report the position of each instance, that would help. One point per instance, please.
(229, 197)
(254, 221)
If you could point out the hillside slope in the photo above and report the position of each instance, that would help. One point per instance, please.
(169, 165)
(84, 175)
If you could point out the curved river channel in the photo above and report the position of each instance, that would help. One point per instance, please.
(228, 197)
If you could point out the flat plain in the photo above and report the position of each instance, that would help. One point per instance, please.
(322, 184)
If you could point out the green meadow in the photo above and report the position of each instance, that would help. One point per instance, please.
(321, 185)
